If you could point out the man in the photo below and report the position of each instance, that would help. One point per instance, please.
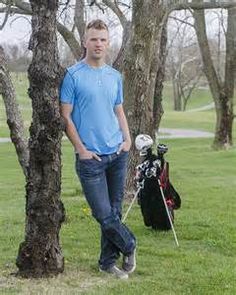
(91, 104)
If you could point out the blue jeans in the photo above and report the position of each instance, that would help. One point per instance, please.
(103, 185)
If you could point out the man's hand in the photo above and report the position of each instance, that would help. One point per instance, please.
(125, 146)
(86, 155)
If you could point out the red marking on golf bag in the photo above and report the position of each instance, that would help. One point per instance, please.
(164, 176)
(168, 190)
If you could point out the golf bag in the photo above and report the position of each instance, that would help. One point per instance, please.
(153, 183)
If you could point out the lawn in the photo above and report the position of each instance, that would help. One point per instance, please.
(199, 98)
(205, 225)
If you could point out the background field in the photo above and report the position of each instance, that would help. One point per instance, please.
(203, 264)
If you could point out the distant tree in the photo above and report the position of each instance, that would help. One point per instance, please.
(184, 67)
(222, 89)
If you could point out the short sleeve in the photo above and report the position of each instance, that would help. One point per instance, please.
(67, 90)
(119, 99)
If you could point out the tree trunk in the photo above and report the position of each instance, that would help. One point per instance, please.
(140, 70)
(40, 254)
(176, 95)
(14, 118)
(157, 103)
(222, 93)
(226, 123)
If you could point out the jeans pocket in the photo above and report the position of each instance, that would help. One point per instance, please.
(89, 167)
(82, 162)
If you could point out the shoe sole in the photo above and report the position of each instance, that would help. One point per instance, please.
(131, 270)
(134, 266)
(125, 277)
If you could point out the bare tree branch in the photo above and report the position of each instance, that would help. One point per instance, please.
(8, 8)
(14, 10)
(200, 5)
(20, 4)
(66, 5)
(186, 91)
(70, 39)
(115, 8)
(125, 44)
(123, 4)
(18, 17)
(24, 8)
(181, 20)
(79, 18)
(98, 5)
(14, 118)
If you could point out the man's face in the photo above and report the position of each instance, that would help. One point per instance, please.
(96, 43)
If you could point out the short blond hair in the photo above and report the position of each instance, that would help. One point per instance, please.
(97, 24)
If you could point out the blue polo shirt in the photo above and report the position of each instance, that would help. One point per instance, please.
(94, 93)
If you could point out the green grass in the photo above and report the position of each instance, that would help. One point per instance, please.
(199, 98)
(203, 264)
(189, 120)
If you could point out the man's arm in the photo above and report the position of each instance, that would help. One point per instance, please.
(125, 146)
(73, 135)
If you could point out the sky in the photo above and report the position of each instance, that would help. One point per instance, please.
(18, 28)
(15, 30)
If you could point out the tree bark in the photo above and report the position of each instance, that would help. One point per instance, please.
(176, 93)
(230, 75)
(157, 102)
(140, 70)
(14, 118)
(222, 93)
(40, 254)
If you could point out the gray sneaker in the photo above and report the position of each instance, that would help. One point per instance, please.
(114, 270)
(129, 262)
